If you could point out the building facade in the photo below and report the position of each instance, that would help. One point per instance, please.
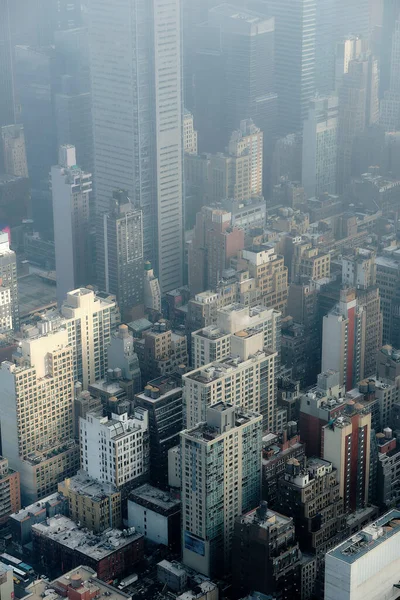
(228, 441)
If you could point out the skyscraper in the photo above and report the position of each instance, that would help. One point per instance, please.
(14, 152)
(137, 119)
(295, 40)
(70, 188)
(120, 254)
(221, 480)
(7, 107)
(320, 147)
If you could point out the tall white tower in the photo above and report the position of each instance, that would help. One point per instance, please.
(135, 49)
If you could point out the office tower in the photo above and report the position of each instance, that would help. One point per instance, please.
(115, 450)
(151, 290)
(309, 262)
(301, 488)
(387, 279)
(14, 153)
(215, 242)
(391, 14)
(138, 137)
(349, 48)
(248, 139)
(120, 254)
(189, 134)
(388, 468)
(8, 276)
(72, 100)
(34, 83)
(234, 77)
(344, 339)
(353, 16)
(70, 187)
(287, 159)
(320, 130)
(266, 554)
(325, 42)
(346, 443)
(359, 271)
(121, 355)
(161, 351)
(320, 405)
(10, 492)
(245, 378)
(364, 567)
(162, 398)
(269, 272)
(358, 109)
(89, 319)
(36, 413)
(7, 103)
(214, 342)
(295, 40)
(214, 492)
(390, 103)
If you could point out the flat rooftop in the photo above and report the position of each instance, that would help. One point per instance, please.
(207, 433)
(369, 538)
(66, 532)
(267, 520)
(84, 485)
(90, 587)
(149, 494)
(220, 368)
(35, 294)
(36, 507)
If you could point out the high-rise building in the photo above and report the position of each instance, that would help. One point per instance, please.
(37, 412)
(358, 109)
(391, 14)
(151, 290)
(115, 450)
(8, 276)
(121, 355)
(7, 103)
(234, 77)
(120, 254)
(295, 42)
(70, 187)
(162, 398)
(365, 566)
(245, 378)
(346, 444)
(344, 339)
(320, 147)
(359, 271)
(390, 103)
(221, 480)
(265, 554)
(14, 152)
(309, 492)
(189, 134)
(138, 137)
(214, 342)
(6, 317)
(388, 280)
(349, 48)
(215, 242)
(325, 42)
(248, 139)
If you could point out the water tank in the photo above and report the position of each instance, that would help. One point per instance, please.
(117, 373)
(147, 391)
(110, 374)
(371, 385)
(388, 433)
(363, 387)
(76, 580)
(155, 392)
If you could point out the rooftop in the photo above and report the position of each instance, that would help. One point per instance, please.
(207, 433)
(89, 586)
(219, 369)
(150, 495)
(66, 532)
(369, 538)
(84, 485)
(35, 293)
(37, 507)
(265, 518)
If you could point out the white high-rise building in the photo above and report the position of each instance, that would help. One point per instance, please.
(213, 343)
(115, 450)
(245, 378)
(366, 565)
(36, 405)
(8, 276)
(320, 130)
(189, 134)
(221, 480)
(136, 77)
(70, 188)
(89, 319)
